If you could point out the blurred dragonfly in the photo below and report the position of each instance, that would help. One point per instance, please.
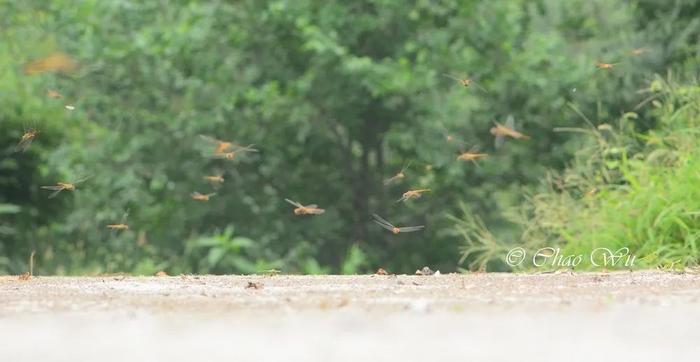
(396, 230)
(501, 132)
(638, 51)
(400, 175)
(53, 94)
(220, 146)
(201, 197)
(216, 179)
(27, 139)
(305, 210)
(472, 155)
(232, 155)
(412, 194)
(122, 224)
(54, 62)
(466, 82)
(60, 186)
(608, 66)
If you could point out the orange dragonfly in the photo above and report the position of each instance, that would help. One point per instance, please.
(60, 186)
(54, 62)
(638, 51)
(122, 224)
(400, 175)
(466, 82)
(412, 194)
(305, 210)
(216, 179)
(471, 155)
(501, 132)
(27, 138)
(232, 155)
(396, 230)
(53, 94)
(607, 66)
(201, 197)
(220, 146)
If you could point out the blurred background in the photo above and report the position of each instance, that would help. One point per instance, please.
(339, 96)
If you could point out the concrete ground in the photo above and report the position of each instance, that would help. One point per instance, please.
(640, 316)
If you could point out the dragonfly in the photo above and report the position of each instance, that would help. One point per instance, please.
(471, 155)
(400, 175)
(60, 186)
(396, 230)
(232, 155)
(28, 137)
(221, 146)
(53, 94)
(602, 65)
(305, 210)
(201, 197)
(501, 132)
(122, 224)
(466, 82)
(638, 51)
(217, 179)
(54, 62)
(412, 194)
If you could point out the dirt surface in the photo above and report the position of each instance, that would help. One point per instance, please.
(645, 316)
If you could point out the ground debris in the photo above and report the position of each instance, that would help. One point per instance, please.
(252, 285)
(381, 271)
(161, 274)
(25, 276)
(427, 272)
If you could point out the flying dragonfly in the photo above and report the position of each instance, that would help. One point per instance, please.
(232, 155)
(608, 66)
(472, 155)
(220, 146)
(53, 94)
(60, 186)
(412, 194)
(216, 179)
(396, 230)
(400, 175)
(122, 224)
(27, 138)
(201, 197)
(305, 210)
(501, 132)
(638, 51)
(54, 62)
(466, 82)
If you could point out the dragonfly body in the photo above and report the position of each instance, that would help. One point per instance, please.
(394, 229)
(201, 197)
(412, 194)
(305, 209)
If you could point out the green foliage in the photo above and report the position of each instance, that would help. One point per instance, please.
(627, 190)
(337, 95)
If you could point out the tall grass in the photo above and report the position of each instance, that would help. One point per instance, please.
(624, 189)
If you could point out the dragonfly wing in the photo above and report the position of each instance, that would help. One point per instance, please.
(408, 229)
(499, 141)
(510, 122)
(55, 193)
(54, 188)
(379, 219)
(480, 87)
(294, 203)
(23, 145)
(209, 139)
(383, 225)
(82, 180)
